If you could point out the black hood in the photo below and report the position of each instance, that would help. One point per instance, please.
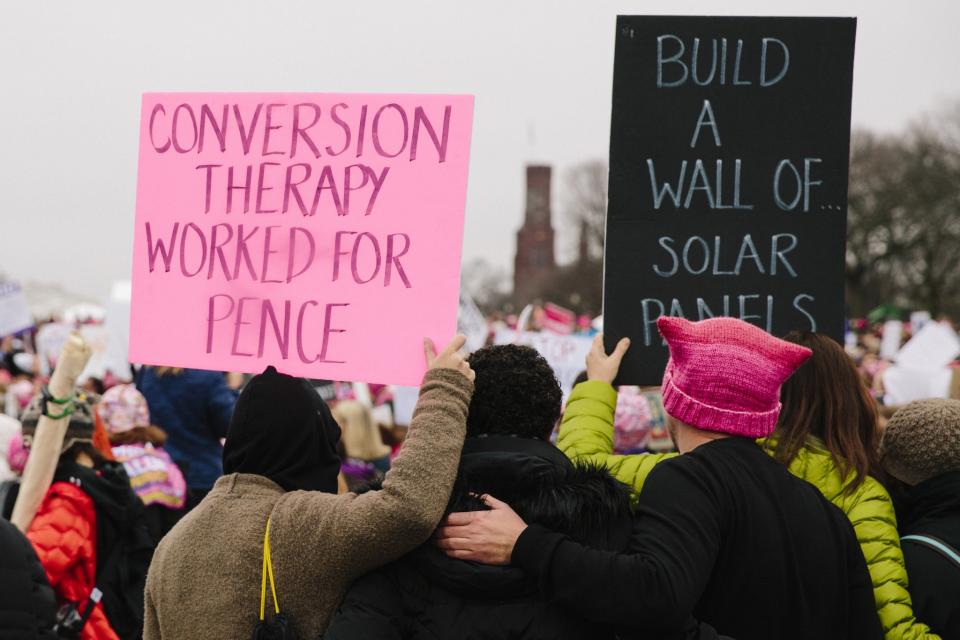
(119, 510)
(543, 487)
(283, 430)
(937, 498)
(108, 486)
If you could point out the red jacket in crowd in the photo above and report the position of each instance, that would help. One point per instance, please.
(64, 534)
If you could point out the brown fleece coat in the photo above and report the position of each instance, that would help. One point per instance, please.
(204, 581)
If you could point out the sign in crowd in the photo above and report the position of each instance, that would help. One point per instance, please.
(729, 146)
(314, 231)
(319, 232)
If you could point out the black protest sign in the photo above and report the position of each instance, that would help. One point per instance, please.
(729, 147)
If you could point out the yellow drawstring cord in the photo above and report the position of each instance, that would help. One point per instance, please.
(267, 570)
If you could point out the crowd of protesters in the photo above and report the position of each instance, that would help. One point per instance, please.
(763, 491)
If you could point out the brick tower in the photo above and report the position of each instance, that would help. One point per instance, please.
(534, 260)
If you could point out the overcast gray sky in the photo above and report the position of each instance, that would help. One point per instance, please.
(72, 74)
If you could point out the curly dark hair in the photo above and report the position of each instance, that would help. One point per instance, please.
(515, 393)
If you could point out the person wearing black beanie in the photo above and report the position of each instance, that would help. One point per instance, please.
(298, 450)
(281, 464)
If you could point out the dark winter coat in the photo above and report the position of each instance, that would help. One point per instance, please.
(194, 408)
(726, 534)
(27, 604)
(587, 433)
(428, 595)
(932, 509)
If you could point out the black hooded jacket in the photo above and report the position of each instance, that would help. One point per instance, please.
(429, 595)
(27, 603)
(932, 509)
(124, 544)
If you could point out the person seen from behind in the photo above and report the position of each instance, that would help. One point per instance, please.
(515, 407)
(193, 408)
(828, 434)
(138, 445)
(724, 533)
(276, 511)
(920, 448)
(90, 532)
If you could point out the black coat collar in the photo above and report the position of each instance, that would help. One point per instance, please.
(515, 444)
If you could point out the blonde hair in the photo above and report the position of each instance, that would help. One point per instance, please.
(361, 436)
(140, 435)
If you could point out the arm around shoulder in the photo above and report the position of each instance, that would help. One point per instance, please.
(661, 577)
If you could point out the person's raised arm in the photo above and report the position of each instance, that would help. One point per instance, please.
(586, 429)
(380, 526)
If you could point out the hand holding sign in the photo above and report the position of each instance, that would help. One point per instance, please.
(449, 358)
(601, 366)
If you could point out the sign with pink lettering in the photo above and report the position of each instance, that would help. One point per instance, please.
(319, 233)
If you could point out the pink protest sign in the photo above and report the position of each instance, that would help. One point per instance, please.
(320, 233)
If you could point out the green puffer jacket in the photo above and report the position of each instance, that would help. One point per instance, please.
(586, 432)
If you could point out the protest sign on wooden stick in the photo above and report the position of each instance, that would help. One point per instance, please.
(48, 440)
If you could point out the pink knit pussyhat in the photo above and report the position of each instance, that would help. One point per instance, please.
(123, 408)
(725, 374)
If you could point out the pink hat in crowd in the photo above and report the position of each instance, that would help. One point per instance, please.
(23, 391)
(725, 374)
(123, 408)
(17, 454)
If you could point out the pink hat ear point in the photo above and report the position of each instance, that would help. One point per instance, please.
(672, 326)
(795, 355)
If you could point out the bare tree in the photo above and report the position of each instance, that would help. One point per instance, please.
(932, 194)
(585, 207)
(875, 219)
(903, 241)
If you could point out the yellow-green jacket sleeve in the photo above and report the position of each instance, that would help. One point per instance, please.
(586, 434)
